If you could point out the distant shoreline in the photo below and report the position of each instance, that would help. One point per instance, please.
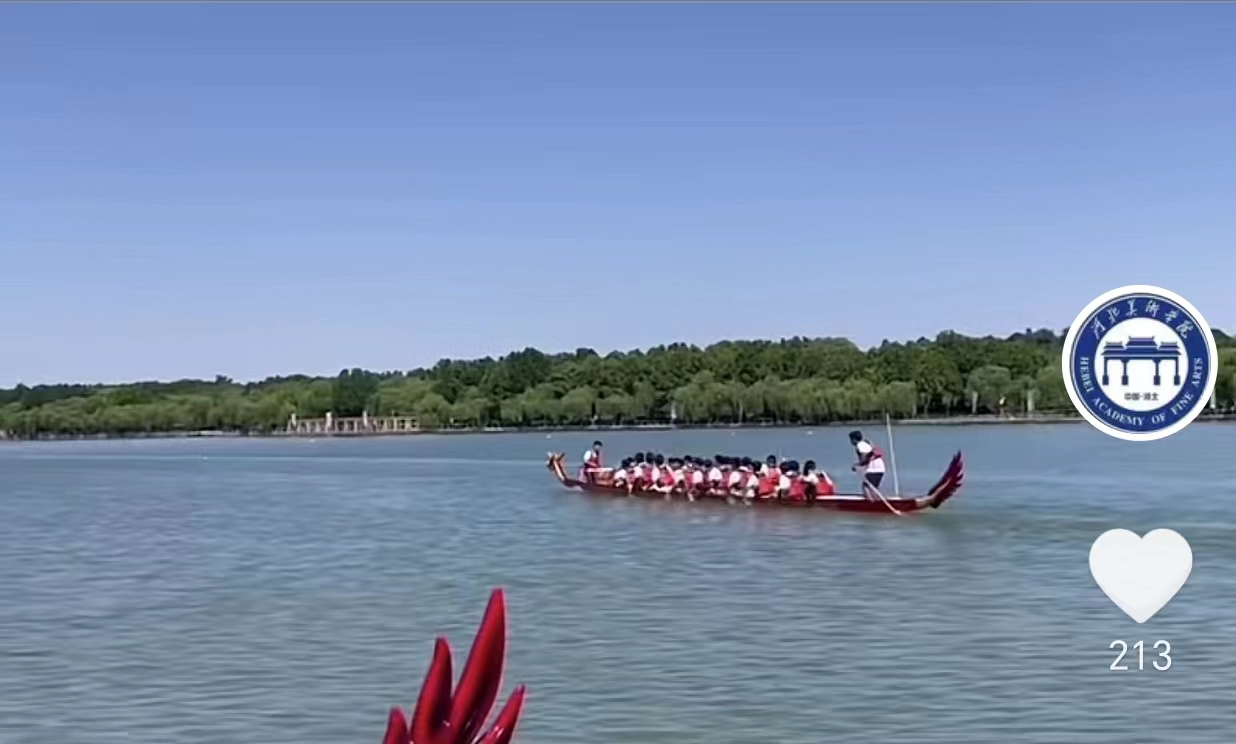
(987, 420)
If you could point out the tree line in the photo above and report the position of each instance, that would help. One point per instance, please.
(791, 381)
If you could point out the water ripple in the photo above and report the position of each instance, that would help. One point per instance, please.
(288, 591)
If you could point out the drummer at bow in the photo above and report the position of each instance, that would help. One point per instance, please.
(592, 462)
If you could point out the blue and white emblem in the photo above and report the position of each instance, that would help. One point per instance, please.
(1140, 363)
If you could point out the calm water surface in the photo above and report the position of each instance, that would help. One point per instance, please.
(289, 591)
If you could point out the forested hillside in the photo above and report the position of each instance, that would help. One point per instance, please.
(789, 381)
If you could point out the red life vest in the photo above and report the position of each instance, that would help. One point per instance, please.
(798, 490)
(875, 452)
(767, 485)
(667, 478)
(594, 463)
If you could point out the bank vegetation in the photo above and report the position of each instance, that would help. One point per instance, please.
(791, 381)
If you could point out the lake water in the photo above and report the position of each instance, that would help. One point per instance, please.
(253, 591)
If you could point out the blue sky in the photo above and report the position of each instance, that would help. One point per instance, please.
(257, 189)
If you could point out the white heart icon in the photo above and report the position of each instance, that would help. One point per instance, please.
(1140, 574)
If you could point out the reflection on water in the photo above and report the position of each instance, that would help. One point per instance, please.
(280, 591)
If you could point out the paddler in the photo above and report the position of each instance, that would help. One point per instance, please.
(714, 476)
(734, 483)
(751, 481)
(696, 484)
(817, 482)
(639, 473)
(770, 478)
(870, 465)
(633, 473)
(786, 475)
(654, 476)
(664, 482)
(678, 468)
(622, 474)
(797, 490)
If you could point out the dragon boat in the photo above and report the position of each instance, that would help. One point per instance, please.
(942, 491)
(457, 716)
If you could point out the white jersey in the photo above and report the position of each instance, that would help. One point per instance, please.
(656, 474)
(735, 478)
(714, 474)
(620, 475)
(590, 457)
(697, 477)
(811, 478)
(876, 464)
(784, 483)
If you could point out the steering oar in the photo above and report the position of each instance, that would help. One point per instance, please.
(868, 484)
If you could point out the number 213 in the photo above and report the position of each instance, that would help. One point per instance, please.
(1165, 654)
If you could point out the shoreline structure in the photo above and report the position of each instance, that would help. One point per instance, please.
(969, 420)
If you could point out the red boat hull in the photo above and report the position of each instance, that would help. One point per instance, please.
(942, 491)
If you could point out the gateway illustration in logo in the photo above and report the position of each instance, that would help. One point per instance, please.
(1139, 363)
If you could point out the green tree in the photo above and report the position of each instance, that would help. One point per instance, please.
(993, 385)
(1051, 394)
(432, 411)
(616, 408)
(794, 380)
(578, 406)
(937, 378)
(353, 392)
(899, 398)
